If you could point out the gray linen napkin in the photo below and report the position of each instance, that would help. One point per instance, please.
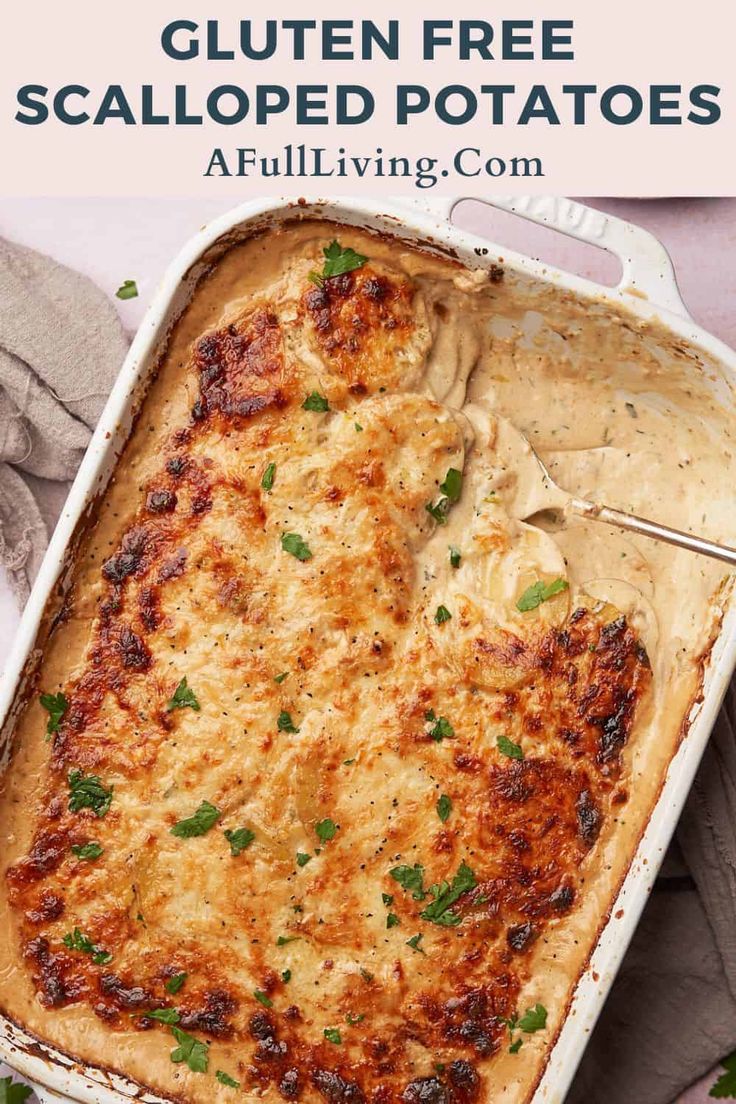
(672, 1011)
(61, 345)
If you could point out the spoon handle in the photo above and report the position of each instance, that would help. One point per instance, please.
(636, 524)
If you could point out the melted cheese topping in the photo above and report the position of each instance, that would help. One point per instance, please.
(412, 797)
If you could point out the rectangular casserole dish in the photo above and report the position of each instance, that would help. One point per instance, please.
(648, 290)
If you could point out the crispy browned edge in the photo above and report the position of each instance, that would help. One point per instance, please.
(56, 601)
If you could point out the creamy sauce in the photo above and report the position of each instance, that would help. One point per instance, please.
(619, 411)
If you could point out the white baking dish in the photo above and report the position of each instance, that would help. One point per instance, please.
(648, 289)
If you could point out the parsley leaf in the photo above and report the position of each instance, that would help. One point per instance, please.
(392, 920)
(414, 943)
(302, 859)
(534, 1019)
(326, 829)
(444, 807)
(174, 984)
(284, 939)
(56, 706)
(280, 678)
(164, 1015)
(540, 592)
(445, 895)
(516, 1047)
(88, 851)
(387, 899)
(316, 403)
(226, 1079)
(190, 1050)
(725, 1087)
(454, 556)
(337, 262)
(366, 975)
(358, 427)
(410, 878)
(296, 546)
(285, 723)
(77, 941)
(453, 484)
(205, 817)
(442, 729)
(286, 976)
(127, 290)
(263, 998)
(509, 748)
(183, 698)
(333, 1035)
(86, 791)
(13, 1092)
(442, 615)
(239, 839)
(268, 477)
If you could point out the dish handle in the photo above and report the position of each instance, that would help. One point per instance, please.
(647, 269)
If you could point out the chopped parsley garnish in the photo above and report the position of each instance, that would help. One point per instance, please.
(284, 939)
(325, 829)
(453, 484)
(78, 941)
(127, 290)
(366, 975)
(439, 510)
(337, 262)
(56, 706)
(451, 489)
(164, 1015)
(226, 1079)
(174, 984)
(509, 748)
(392, 920)
(316, 402)
(358, 427)
(183, 698)
(445, 895)
(86, 791)
(442, 615)
(13, 1092)
(410, 878)
(190, 1050)
(263, 998)
(441, 729)
(89, 851)
(387, 899)
(534, 1019)
(268, 477)
(286, 976)
(280, 678)
(296, 546)
(455, 556)
(205, 817)
(333, 1035)
(353, 1020)
(348, 762)
(285, 723)
(414, 943)
(725, 1086)
(444, 807)
(302, 859)
(239, 839)
(540, 592)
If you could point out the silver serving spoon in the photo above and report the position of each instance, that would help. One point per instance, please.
(537, 491)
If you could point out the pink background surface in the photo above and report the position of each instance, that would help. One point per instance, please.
(116, 239)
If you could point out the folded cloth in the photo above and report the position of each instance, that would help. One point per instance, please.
(672, 1011)
(61, 345)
